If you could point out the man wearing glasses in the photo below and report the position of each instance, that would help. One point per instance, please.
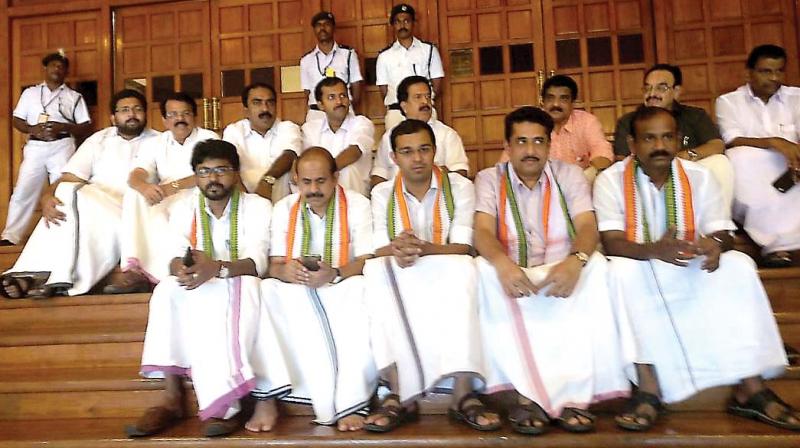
(83, 206)
(161, 170)
(700, 140)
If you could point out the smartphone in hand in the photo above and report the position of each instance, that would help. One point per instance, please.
(786, 181)
(187, 259)
(311, 262)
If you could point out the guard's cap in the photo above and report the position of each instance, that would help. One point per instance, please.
(402, 8)
(322, 15)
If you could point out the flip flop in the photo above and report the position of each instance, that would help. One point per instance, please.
(638, 399)
(469, 414)
(755, 408)
(396, 414)
(528, 413)
(569, 413)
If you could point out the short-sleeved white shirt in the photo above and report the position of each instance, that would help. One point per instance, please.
(105, 159)
(449, 151)
(258, 152)
(355, 130)
(166, 160)
(710, 214)
(63, 105)
(397, 62)
(254, 228)
(359, 220)
(742, 114)
(342, 59)
(421, 212)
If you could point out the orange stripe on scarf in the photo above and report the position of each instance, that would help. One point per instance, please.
(193, 232)
(344, 230)
(292, 229)
(630, 201)
(688, 209)
(546, 208)
(401, 203)
(502, 231)
(437, 212)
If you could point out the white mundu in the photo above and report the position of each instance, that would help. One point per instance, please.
(216, 333)
(522, 344)
(81, 250)
(258, 152)
(142, 232)
(356, 130)
(41, 160)
(771, 218)
(449, 151)
(698, 329)
(324, 331)
(424, 317)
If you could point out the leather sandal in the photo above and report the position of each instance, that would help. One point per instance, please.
(632, 409)
(217, 427)
(153, 421)
(779, 259)
(17, 282)
(396, 414)
(569, 413)
(530, 413)
(755, 408)
(469, 414)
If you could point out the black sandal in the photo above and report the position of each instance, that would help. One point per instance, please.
(469, 414)
(638, 399)
(779, 259)
(396, 414)
(755, 408)
(15, 281)
(532, 413)
(569, 413)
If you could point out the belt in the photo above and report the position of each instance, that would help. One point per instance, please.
(313, 107)
(57, 137)
(395, 106)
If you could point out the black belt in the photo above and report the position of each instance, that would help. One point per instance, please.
(313, 107)
(395, 106)
(57, 137)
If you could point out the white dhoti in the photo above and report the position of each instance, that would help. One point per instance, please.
(699, 329)
(217, 335)
(356, 175)
(41, 162)
(325, 335)
(424, 319)
(80, 251)
(558, 352)
(143, 235)
(771, 218)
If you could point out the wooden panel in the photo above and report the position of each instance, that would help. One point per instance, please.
(261, 49)
(467, 128)
(463, 96)
(291, 46)
(489, 27)
(459, 29)
(493, 128)
(231, 19)
(524, 92)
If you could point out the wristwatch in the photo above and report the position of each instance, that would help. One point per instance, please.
(582, 257)
(338, 277)
(174, 184)
(224, 272)
(693, 155)
(269, 180)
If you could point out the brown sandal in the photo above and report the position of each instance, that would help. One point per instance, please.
(154, 420)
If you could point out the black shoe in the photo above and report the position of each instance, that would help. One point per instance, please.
(6, 243)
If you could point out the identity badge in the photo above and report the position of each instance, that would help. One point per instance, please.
(330, 72)
(43, 118)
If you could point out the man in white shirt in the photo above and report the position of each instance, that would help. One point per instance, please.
(760, 124)
(161, 170)
(329, 58)
(405, 57)
(267, 146)
(76, 243)
(205, 318)
(52, 115)
(349, 138)
(416, 102)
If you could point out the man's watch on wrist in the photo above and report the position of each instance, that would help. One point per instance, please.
(224, 272)
(174, 184)
(269, 180)
(581, 256)
(337, 277)
(693, 155)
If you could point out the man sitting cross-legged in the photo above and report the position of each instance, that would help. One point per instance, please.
(205, 318)
(423, 235)
(551, 330)
(699, 313)
(320, 238)
(76, 243)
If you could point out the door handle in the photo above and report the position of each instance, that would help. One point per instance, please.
(206, 113)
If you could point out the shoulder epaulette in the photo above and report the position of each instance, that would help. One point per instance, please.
(386, 48)
(308, 52)
(344, 47)
(428, 42)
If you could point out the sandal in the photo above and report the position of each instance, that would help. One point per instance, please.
(531, 413)
(17, 282)
(154, 420)
(779, 259)
(569, 413)
(640, 398)
(469, 414)
(395, 414)
(755, 408)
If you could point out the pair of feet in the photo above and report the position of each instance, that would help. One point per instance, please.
(765, 406)
(21, 287)
(527, 417)
(470, 411)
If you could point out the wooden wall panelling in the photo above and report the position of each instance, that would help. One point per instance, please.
(710, 40)
(5, 106)
(605, 45)
(508, 38)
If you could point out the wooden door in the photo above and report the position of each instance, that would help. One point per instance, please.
(163, 48)
(77, 35)
(606, 46)
(493, 52)
(710, 41)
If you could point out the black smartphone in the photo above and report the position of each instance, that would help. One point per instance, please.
(311, 262)
(187, 259)
(785, 182)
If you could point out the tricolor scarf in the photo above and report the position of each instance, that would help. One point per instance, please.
(205, 227)
(337, 243)
(444, 207)
(510, 227)
(677, 198)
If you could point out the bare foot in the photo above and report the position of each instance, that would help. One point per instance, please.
(16, 287)
(352, 422)
(264, 417)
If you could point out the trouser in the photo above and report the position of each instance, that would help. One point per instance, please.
(40, 161)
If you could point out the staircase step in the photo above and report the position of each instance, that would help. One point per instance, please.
(673, 430)
(39, 319)
(783, 288)
(8, 256)
(72, 354)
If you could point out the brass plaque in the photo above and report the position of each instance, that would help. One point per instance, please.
(461, 62)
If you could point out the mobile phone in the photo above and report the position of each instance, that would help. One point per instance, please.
(311, 262)
(187, 259)
(785, 182)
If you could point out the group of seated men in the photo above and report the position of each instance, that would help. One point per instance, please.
(278, 278)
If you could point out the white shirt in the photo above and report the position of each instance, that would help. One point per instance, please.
(313, 65)
(258, 152)
(105, 159)
(741, 114)
(421, 212)
(63, 105)
(254, 228)
(449, 151)
(166, 160)
(710, 214)
(359, 221)
(397, 62)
